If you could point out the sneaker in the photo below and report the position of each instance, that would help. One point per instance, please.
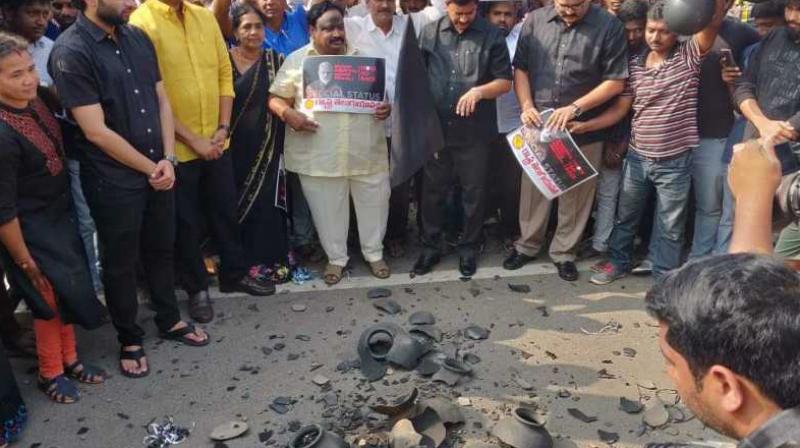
(644, 268)
(609, 273)
(598, 267)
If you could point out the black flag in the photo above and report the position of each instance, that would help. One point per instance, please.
(416, 131)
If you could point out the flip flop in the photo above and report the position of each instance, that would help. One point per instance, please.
(85, 373)
(135, 355)
(60, 389)
(180, 335)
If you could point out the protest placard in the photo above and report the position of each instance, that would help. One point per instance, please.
(353, 84)
(551, 159)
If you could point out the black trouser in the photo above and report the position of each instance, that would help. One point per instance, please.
(134, 224)
(399, 202)
(205, 192)
(468, 164)
(9, 327)
(502, 186)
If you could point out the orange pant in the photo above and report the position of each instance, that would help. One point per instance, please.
(55, 341)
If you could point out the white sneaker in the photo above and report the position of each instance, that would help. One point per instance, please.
(644, 268)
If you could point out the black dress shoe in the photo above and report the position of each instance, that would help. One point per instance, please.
(425, 263)
(567, 271)
(251, 286)
(200, 309)
(516, 260)
(468, 264)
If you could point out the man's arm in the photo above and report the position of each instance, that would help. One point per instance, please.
(298, 121)
(226, 90)
(91, 120)
(705, 38)
(611, 116)
(167, 120)
(221, 10)
(754, 176)
(776, 131)
(500, 71)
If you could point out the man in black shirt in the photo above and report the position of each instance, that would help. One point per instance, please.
(108, 79)
(468, 67)
(769, 97)
(571, 57)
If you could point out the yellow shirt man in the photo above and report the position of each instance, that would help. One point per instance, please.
(194, 64)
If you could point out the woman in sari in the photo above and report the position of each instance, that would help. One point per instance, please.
(257, 150)
(40, 247)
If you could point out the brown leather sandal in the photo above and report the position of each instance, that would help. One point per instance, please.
(380, 269)
(332, 274)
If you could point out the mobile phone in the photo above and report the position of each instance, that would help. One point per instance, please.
(726, 58)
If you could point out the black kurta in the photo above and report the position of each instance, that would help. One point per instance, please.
(34, 187)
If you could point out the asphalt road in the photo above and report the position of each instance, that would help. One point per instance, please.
(559, 348)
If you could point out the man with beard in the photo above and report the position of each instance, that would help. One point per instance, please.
(64, 15)
(196, 69)
(728, 331)
(503, 180)
(572, 58)
(769, 97)
(108, 79)
(324, 86)
(468, 67)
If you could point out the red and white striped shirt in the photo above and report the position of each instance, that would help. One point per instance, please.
(665, 102)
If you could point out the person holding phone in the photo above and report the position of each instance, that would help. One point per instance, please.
(715, 122)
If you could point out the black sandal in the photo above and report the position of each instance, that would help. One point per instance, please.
(180, 334)
(135, 355)
(85, 373)
(60, 389)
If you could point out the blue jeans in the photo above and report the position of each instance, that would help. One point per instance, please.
(672, 180)
(606, 203)
(708, 178)
(726, 220)
(86, 225)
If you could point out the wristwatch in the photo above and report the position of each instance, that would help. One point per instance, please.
(576, 110)
(172, 158)
(226, 128)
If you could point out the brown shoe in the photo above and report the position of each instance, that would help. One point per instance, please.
(200, 308)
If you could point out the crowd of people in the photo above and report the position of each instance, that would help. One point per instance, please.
(137, 139)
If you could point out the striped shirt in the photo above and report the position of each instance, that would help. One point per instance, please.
(665, 102)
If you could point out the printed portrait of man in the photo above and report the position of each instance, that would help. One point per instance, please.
(324, 86)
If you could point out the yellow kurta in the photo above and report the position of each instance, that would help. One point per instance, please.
(344, 145)
(194, 64)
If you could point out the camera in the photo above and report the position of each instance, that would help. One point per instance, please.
(787, 201)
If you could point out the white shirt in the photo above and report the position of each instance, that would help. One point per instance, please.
(508, 110)
(40, 52)
(369, 40)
